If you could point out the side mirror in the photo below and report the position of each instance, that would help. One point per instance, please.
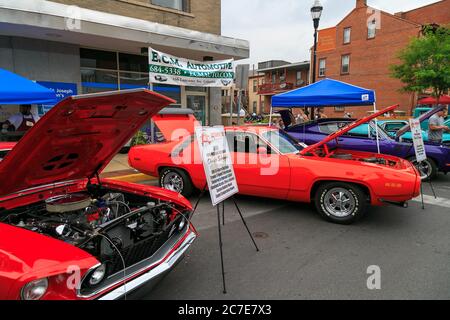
(262, 150)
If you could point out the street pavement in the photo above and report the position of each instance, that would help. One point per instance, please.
(304, 257)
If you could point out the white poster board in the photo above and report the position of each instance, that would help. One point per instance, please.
(168, 69)
(419, 145)
(217, 163)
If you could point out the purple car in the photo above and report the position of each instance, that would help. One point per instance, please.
(363, 138)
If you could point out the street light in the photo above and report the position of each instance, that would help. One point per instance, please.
(316, 13)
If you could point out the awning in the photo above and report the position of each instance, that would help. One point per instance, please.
(15, 89)
(327, 92)
(432, 101)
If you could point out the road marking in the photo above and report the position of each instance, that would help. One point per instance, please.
(441, 202)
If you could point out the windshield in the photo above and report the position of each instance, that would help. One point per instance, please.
(283, 142)
(383, 134)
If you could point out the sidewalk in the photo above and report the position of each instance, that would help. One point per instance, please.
(118, 169)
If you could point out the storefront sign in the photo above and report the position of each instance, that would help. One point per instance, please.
(168, 69)
(217, 163)
(62, 91)
(419, 145)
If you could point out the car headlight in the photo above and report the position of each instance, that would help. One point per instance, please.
(35, 290)
(97, 275)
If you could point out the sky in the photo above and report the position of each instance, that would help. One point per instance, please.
(283, 29)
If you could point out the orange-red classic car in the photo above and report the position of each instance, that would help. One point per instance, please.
(65, 233)
(269, 163)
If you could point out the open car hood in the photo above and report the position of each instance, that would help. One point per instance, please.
(346, 129)
(175, 124)
(77, 138)
(422, 118)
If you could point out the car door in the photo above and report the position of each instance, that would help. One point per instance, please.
(264, 175)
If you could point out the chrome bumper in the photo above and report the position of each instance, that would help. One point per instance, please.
(153, 274)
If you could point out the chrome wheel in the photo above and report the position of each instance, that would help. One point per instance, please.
(340, 202)
(425, 169)
(173, 181)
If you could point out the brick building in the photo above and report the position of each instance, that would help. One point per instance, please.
(361, 47)
(91, 46)
(279, 77)
(255, 101)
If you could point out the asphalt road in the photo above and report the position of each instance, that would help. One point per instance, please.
(304, 257)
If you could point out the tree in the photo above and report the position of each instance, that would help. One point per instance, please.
(425, 62)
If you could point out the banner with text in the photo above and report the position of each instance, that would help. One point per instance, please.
(217, 163)
(168, 69)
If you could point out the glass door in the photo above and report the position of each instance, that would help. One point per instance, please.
(198, 104)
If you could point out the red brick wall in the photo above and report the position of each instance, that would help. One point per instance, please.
(370, 58)
(434, 13)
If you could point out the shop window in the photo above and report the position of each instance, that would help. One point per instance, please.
(181, 5)
(345, 65)
(132, 80)
(98, 81)
(170, 91)
(347, 35)
(133, 63)
(98, 59)
(322, 67)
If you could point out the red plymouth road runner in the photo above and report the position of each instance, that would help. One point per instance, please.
(67, 234)
(269, 163)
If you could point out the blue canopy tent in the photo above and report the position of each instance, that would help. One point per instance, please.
(15, 89)
(325, 93)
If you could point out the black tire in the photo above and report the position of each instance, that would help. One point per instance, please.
(357, 206)
(430, 163)
(186, 188)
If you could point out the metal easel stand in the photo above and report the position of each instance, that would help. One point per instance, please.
(219, 223)
(421, 193)
(220, 236)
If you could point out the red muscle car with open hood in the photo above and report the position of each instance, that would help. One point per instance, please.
(269, 163)
(67, 234)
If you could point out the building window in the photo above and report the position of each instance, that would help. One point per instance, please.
(372, 29)
(347, 35)
(322, 67)
(345, 65)
(339, 109)
(274, 77)
(255, 85)
(299, 79)
(282, 76)
(255, 107)
(180, 5)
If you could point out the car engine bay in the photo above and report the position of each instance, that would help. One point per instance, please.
(119, 229)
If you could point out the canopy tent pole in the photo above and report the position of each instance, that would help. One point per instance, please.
(376, 128)
(270, 117)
